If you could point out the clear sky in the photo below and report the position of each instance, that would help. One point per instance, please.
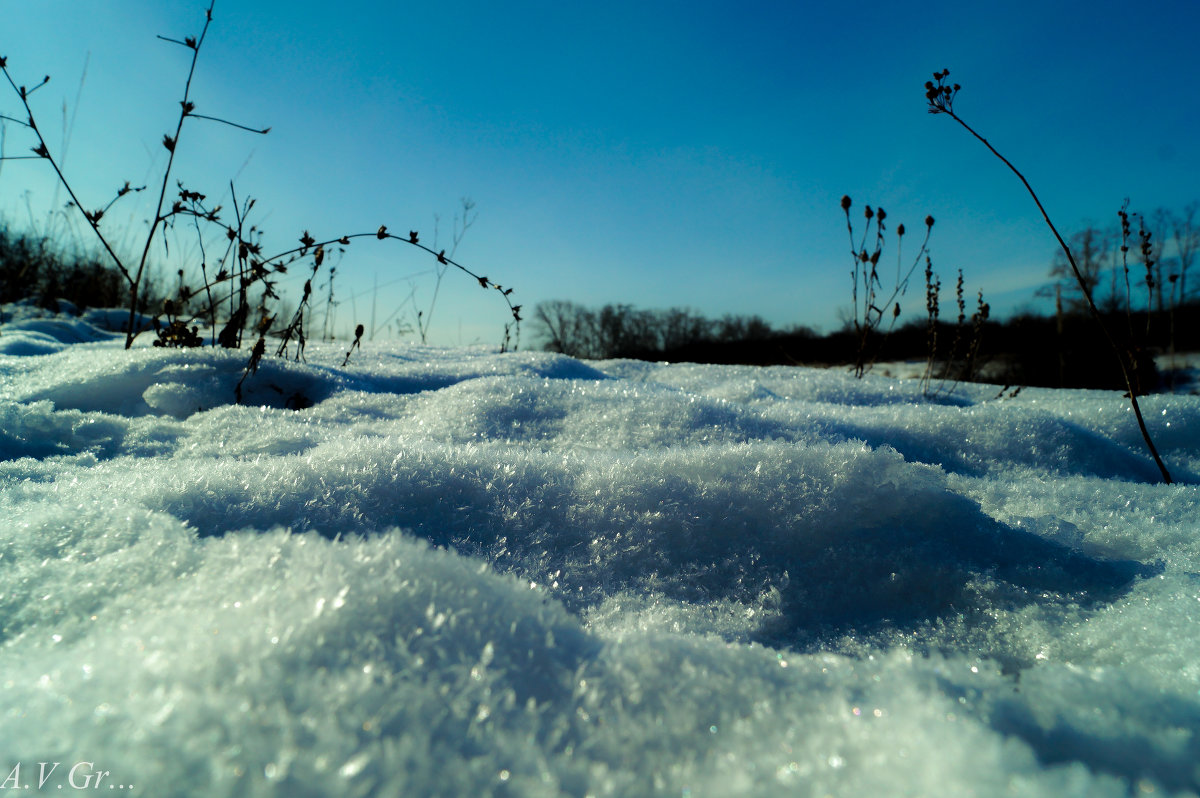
(658, 153)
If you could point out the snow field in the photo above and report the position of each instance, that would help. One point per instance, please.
(466, 573)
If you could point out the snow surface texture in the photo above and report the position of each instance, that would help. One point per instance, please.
(463, 573)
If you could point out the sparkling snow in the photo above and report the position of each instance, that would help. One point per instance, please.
(464, 573)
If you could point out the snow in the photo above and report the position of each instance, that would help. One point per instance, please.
(464, 573)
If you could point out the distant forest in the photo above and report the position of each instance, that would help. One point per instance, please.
(1136, 270)
(1027, 349)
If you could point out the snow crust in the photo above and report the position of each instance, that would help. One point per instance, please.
(464, 573)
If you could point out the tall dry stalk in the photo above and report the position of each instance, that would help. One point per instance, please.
(940, 96)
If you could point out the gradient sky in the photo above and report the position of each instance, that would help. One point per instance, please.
(657, 153)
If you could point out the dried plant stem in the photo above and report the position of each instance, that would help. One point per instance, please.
(870, 311)
(171, 144)
(940, 101)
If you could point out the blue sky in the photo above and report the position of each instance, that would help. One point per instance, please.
(662, 154)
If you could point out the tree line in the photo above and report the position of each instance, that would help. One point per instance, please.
(1138, 271)
(621, 330)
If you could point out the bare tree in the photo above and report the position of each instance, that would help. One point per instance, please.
(567, 327)
(681, 327)
(1157, 225)
(1092, 248)
(617, 331)
(1185, 236)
